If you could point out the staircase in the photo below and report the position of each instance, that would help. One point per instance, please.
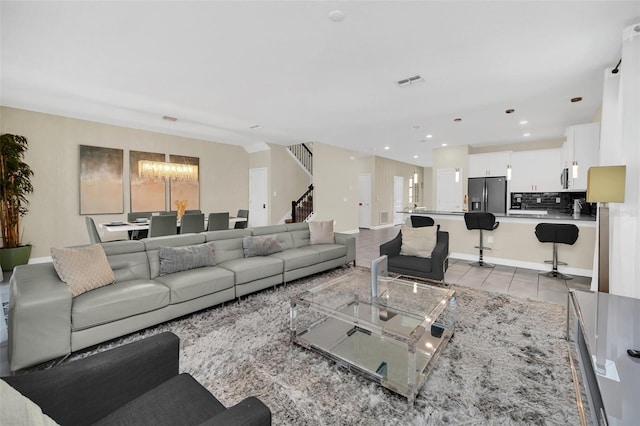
(302, 208)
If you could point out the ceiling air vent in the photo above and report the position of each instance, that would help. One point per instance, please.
(410, 80)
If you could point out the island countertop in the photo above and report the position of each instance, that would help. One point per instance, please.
(515, 217)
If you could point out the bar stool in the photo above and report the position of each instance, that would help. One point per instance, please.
(555, 233)
(421, 221)
(483, 221)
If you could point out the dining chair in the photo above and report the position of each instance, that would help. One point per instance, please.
(163, 224)
(244, 223)
(218, 221)
(197, 211)
(94, 236)
(132, 217)
(192, 223)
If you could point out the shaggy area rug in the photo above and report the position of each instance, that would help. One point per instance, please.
(507, 364)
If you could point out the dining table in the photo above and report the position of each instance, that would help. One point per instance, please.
(142, 225)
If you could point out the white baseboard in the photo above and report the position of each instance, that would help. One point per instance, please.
(388, 225)
(350, 231)
(45, 259)
(522, 264)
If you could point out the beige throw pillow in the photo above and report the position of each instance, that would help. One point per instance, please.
(419, 242)
(82, 268)
(321, 232)
(17, 409)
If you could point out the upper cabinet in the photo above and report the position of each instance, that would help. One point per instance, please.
(582, 146)
(490, 164)
(536, 171)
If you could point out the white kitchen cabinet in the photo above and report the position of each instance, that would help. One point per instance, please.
(536, 171)
(582, 146)
(489, 164)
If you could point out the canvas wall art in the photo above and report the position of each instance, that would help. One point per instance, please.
(101, 189)
(147, 195)
(186, 190)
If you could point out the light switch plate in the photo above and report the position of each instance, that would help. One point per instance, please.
(538, 200)
(557, 200)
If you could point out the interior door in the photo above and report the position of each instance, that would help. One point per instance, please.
(364, 202)
(398, 199)
(258, 191)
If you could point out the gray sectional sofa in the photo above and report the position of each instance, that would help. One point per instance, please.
(46, 322)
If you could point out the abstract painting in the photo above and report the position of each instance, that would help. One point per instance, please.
(101, 190)
(147, 195)
(186, 190)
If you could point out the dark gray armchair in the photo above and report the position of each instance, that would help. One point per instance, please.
(431, 268)
(136, 384)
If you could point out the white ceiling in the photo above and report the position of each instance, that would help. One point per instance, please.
(221, 67)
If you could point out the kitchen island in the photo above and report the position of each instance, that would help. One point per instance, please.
(514, 242)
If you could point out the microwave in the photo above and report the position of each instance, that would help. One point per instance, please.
(564, 178)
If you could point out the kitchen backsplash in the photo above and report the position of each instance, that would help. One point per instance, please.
(561, 202)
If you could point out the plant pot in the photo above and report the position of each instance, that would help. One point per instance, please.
(12, 257)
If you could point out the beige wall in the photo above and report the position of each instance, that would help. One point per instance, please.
(427, 190)
(288, 182)
(54, 219)
(335, 178)
(382, 186)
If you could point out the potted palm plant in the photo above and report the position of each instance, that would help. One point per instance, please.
(15, 185)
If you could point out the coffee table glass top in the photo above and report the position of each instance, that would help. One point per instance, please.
(393, 338)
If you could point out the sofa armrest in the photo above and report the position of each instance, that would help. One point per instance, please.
(440, 254)
(392, 248)
(348, 240)
(248, 412)
(83, 391)
(39, 316)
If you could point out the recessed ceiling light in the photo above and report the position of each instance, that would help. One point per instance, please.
(444, 144)
(166, 117)
(576, 99)
(429, 136)
(386, 147)
(526, 134)
(256, 126)
(415, 156)
(457, 120)
(523, 122)
(510, 110)
(336, 15)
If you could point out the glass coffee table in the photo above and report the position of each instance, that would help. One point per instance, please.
(392, 337)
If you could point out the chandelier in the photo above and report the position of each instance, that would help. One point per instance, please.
(159, 170)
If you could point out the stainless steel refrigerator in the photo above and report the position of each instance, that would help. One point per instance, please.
(488, 194)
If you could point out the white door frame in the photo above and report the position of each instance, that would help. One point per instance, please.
(398, 199)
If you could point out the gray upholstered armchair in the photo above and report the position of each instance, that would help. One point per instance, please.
(137, 383)
(430, 268)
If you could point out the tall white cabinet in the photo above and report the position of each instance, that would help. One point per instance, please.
(582, 146)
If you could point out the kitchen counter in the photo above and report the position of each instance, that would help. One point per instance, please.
(514, 242)
(551, 216)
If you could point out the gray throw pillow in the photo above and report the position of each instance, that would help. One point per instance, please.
(263, 245)
(176, 259)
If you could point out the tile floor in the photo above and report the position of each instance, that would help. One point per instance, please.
(518, 282)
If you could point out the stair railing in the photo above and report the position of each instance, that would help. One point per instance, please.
(303, 206)
(304, 155)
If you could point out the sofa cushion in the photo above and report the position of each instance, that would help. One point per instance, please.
(263, 245)
(176, 259)
(329, 251)
(321, 232)
(298, 258)
(187, 285)
(410, 263)
(117, 301)
(180, 400)
(419, 242)
(82, 268)
(17, 409)
(253, 268)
